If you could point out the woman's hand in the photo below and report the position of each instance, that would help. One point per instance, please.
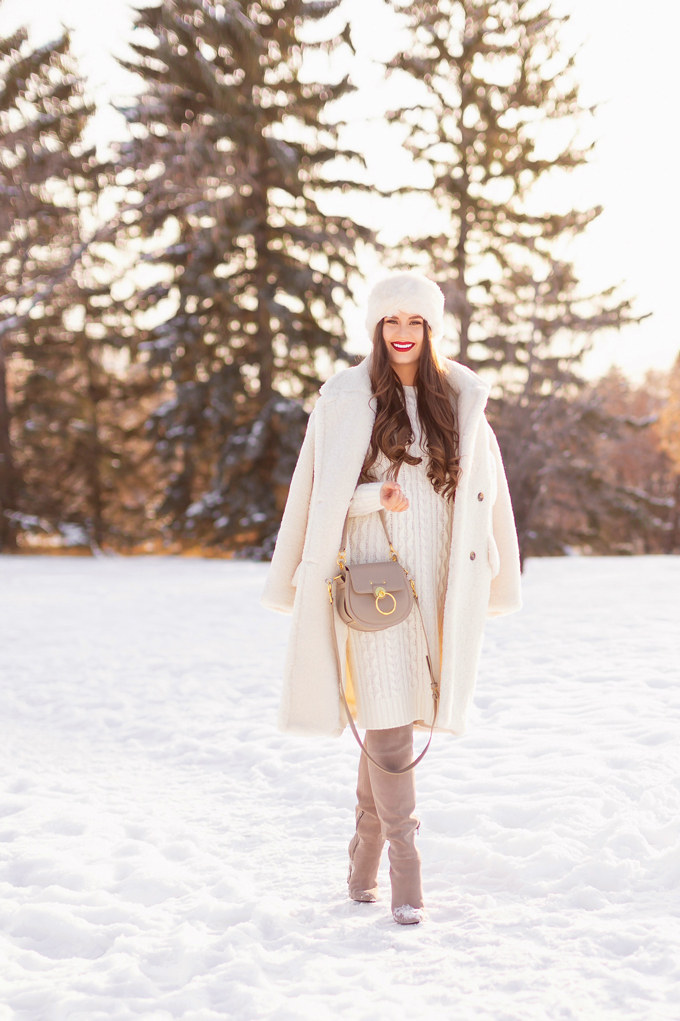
(392, 497)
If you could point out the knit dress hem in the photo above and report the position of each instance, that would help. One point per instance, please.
(397, 711)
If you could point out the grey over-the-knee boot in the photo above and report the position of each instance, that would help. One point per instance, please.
(395, 801)
(366, 846)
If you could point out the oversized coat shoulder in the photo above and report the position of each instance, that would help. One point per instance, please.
(483, 573)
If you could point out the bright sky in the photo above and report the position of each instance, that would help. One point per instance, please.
(628, 63)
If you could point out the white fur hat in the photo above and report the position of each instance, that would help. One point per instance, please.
(408, 292)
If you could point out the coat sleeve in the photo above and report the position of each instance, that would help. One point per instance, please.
(279, 590)
(506, 590)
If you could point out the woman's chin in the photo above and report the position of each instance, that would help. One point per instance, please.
(403, 363)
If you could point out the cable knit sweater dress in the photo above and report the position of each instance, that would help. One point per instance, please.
(388, 668)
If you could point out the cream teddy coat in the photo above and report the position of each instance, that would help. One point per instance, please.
(483, 570)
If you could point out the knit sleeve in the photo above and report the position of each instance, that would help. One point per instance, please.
(366, 499)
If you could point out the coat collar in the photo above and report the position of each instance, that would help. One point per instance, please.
(471, 393)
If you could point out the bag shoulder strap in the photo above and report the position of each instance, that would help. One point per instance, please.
(434, 684)
(350, 720)
(343, 541)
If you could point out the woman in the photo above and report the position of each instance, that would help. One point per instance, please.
(403, 431)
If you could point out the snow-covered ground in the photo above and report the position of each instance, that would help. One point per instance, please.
(166, 853)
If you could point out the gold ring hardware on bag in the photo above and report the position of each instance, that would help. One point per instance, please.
(380, 593)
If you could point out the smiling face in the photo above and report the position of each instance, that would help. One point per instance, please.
(404, 336)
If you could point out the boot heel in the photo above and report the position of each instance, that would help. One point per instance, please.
(364, 860)
(353, 844)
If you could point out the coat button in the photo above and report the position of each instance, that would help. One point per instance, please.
(480, 496)
(473, 555)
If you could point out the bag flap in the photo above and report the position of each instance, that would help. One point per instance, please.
(365, 578)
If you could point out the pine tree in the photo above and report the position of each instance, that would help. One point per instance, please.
(76, 414)
(492, 80)
(67, 412)
(42, 115)
(229, 151)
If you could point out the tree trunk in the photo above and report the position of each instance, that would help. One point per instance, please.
(259, 200)
(673, 541)
(461, 296)
(8, 481)
(95, 498)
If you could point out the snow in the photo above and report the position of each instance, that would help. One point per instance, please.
(166, 853)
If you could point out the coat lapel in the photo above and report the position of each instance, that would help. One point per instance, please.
(344, 417)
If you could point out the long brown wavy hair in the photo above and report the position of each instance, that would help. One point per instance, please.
(392, 432)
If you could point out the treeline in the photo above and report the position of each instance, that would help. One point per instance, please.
(597, 471)
(168, 313)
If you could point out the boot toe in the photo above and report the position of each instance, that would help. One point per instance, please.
(363, 896)
(407, 915)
